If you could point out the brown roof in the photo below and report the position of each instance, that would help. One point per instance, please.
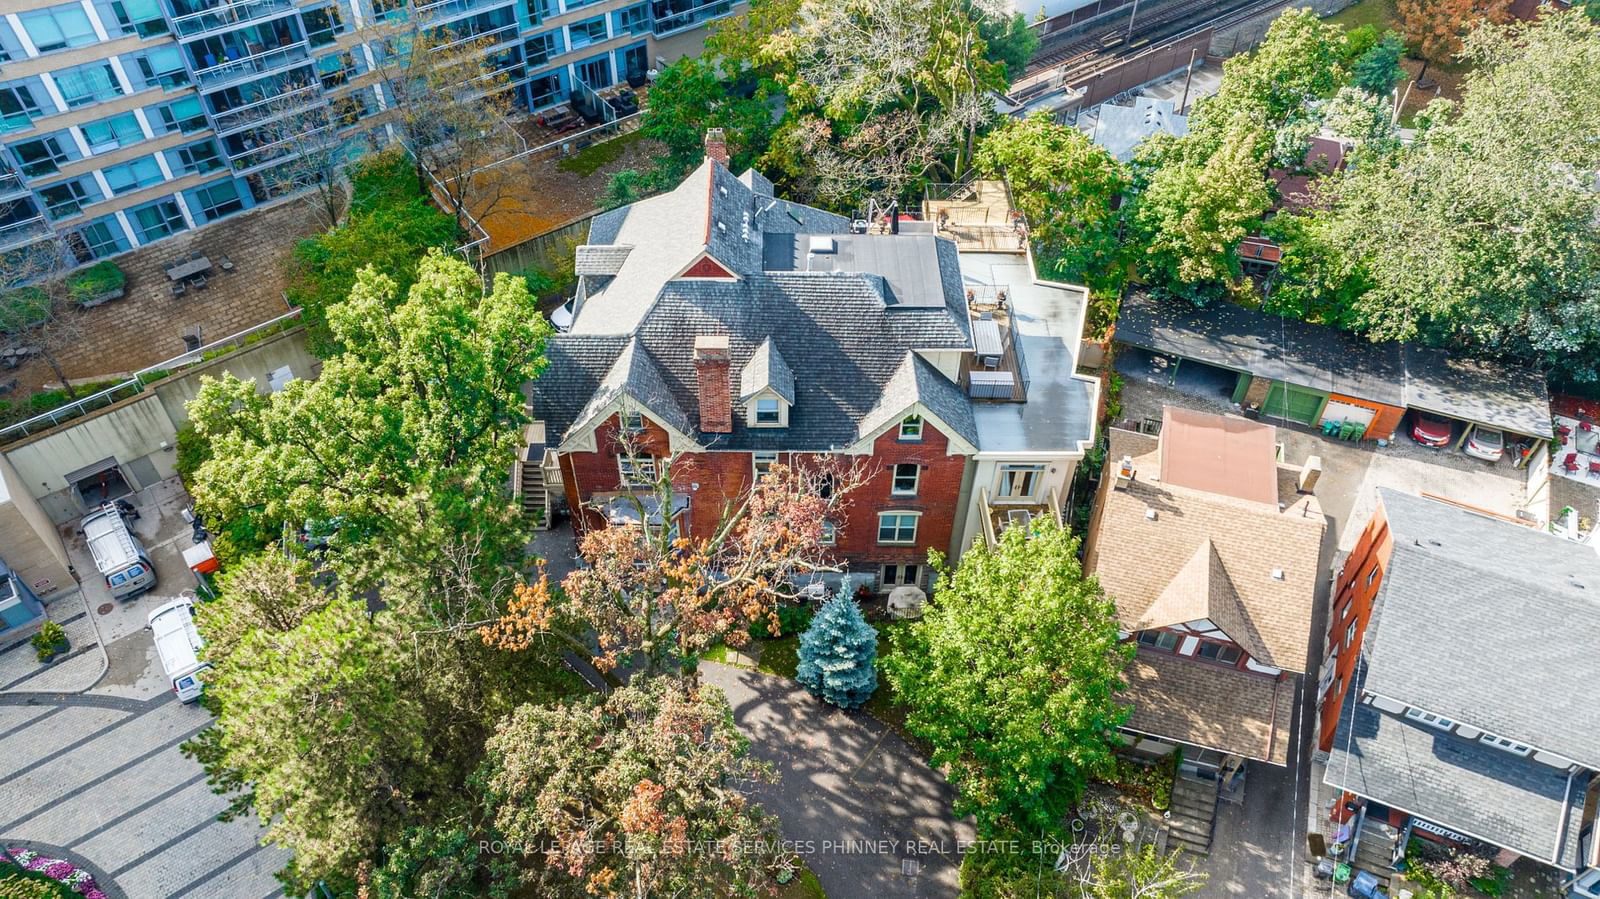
(1210, 706)
(1219, 454)
(1152, 567)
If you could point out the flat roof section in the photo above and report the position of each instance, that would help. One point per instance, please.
(1219, 454)
(1059, 413)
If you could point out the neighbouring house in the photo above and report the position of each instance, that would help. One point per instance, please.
(1121, 129)
(723, 330)
(1311, 374)
(1457, 702)
(1211, 550)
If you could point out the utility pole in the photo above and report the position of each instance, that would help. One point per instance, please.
(1186, 77)
(1133, 18)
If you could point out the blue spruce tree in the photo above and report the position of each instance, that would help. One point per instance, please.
(838, 654)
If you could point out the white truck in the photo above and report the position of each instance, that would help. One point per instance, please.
(178, 644)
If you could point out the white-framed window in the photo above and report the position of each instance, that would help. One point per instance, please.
(768, 412)
(906, 475)
(1019, 481)
(637, 471)
(633, 422)
(897, 527)
(763, 460)
(911, 427)
(830, 533)
(1223, 653)
(1372, 575)
(1430, 719)
(1349, 635)
(900, 575)
(1166, 641)
(1509, 745)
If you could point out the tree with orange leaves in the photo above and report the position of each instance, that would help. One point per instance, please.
(1434, 28)
(653, 599)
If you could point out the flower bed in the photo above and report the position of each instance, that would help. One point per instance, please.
(73, 879)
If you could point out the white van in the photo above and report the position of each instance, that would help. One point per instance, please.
(179, 644)
(118, 554)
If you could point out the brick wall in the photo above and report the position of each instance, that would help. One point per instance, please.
(715, 481)
(1358, 584)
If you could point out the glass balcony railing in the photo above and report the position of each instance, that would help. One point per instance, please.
(251, 66)
(442, 11)
(18, 233)
(230, 15)
(273, 107)
(20, 121)
(11, 183)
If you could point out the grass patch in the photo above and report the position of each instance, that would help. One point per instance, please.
(595, 157)
(1380, 14)
(780, 657)
(804, 886)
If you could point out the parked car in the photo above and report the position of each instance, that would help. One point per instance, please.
(1486, 443)
(1430, 430)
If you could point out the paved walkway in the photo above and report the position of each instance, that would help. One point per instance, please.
(76, 670)
(100, 778)
(859, 800)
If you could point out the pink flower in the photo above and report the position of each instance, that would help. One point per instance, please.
(59, 870)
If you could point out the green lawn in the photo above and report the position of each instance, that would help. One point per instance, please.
(780, 657)
(806, 886)
(1379, 13)
(595, 157)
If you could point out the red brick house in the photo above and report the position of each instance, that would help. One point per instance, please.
(727, 330)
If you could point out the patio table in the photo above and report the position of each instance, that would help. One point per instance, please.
(188, 268)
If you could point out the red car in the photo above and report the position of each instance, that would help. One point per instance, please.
(1430, 430)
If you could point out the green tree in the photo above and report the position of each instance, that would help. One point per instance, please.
(1378, 70)
(1011, 42)
(1069, 190)
(412, 426)
(1193, 212)
(1299, 60)
(452, 861)
(635, 793)
(691, 96)
(1141, 874)
(319, 731)
(1011, 676)
(390, 226)
(838, 653)
(1478, 235)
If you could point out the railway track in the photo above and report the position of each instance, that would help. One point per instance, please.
(1075, 56)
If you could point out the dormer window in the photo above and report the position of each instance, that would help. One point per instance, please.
(911, 428)
(769, 412)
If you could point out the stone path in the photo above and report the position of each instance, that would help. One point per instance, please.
(78, 669)
(100, 778)
(869, 816)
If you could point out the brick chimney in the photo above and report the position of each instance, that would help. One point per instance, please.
(712, 368)
(716, 145)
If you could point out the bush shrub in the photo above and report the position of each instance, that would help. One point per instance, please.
(193, 451)
(100, 278)
(792, 619)
(47, 642)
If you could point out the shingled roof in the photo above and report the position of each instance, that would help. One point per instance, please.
(1489, 623)
(1266, 560)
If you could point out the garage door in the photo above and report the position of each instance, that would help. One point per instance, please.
(1337, 411)
(1293, 403)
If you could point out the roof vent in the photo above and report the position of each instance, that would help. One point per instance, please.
(721, 226)
(822, 243)
(1150, 514)
(1277, 574)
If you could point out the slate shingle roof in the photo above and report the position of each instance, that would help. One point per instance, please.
(576, 365)
(1489, 623)
(1461, 784)
(1136, 558)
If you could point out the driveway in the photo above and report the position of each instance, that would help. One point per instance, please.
(857, 800)
(1353, 472)
(90, 768)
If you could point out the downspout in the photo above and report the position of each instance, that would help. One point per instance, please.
(1561, 829)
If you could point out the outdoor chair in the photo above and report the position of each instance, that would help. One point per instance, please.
(178, 288)
(1570, 463)
(225, 262)
(199, 282)
(1594, 468)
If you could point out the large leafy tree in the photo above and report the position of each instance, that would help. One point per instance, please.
(1069, 190)
(1012, 677)
(1300, 59)
(693, 95)
(411, 427)
(1480, 233)
(637, 793)
(1435, 28)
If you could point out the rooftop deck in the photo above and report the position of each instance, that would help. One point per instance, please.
(978, 216)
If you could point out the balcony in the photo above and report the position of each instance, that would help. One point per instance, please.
(444, 11)
(274, 107)
(995, 371)
(232, 15)
(249, 67)
(997, 517)
(25, 231)
(260, 155)
(668, 20)
(11, 185)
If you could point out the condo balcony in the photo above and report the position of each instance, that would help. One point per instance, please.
(217, 17)
(235, 70)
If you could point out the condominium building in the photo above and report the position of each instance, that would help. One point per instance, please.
(126, 121)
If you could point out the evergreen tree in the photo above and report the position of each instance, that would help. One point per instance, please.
(838, 654)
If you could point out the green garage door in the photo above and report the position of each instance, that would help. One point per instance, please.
(1293, 403)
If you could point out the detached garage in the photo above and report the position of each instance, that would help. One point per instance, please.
(1314, 375)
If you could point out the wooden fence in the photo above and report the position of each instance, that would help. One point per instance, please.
(540, 250)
